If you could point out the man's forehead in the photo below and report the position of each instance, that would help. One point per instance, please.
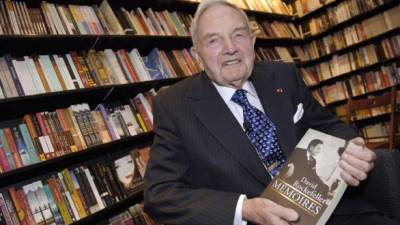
(221, 12)
(216, 19)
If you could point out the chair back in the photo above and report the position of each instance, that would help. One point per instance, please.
(388, 99)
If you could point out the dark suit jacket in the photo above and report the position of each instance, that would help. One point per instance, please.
(201, 160)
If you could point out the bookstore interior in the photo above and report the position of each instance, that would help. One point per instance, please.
(77, 78)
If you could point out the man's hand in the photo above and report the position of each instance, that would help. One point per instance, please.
(356, 161)
(266, 212)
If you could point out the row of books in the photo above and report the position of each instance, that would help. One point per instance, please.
(350, 35)
(133, 216)
(379, 79)
(149, 22)
(340, 64)
(277, 53)
(30, 75)
(386, 76)
(46, 135)
(376, 132)
(302, 7)
(273, 29)
(16, 18)
(338, 14)
(73, 193)
(269, 6)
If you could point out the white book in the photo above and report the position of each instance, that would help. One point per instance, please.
(64, 72)
(137, 59)
(94, 188)
(3, 79)
(24, 79)
(95, 20)
(69, 27)
(56, 19)
(83, 11)
(109, 15)
(49, 73)
(76, 77)
(128, 121)
(34, 74)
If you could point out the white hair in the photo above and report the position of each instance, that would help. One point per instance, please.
(204, 6)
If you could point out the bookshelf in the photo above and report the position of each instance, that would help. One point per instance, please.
(14, 108)
(333, 37)
(21, 45)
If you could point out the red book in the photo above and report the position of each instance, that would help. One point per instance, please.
(5, 166)
(13, 147)
(126, 60)
(18, 206)
(139, 106)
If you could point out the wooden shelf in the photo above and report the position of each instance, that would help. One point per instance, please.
(372, 120)
(11, 107)
(20, 45)
(316, 12)
(358, 45)
(342, 102)
(355, 19)
(348, 74)
(52, 165)
(106, 213)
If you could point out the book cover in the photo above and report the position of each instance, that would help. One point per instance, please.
(128, 174)
(310, 182)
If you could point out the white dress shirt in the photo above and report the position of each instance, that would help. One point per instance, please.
(226, 93)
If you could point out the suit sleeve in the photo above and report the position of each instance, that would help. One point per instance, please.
(318, 117)
(168, 195)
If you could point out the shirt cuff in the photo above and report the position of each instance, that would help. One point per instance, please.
(238, 220)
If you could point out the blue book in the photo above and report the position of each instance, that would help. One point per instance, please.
(21, 146)
(32, 152)
(155, 66)
(53, 206)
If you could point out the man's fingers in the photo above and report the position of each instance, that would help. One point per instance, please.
(353, 171)
(349, 179)
(358, 141)
(357, 163)
(284, 213)
(364, 154)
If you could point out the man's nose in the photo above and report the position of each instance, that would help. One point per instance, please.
(230, 47)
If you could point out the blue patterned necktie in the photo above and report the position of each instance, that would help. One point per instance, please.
(261, 132)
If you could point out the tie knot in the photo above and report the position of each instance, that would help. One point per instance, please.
(240, 97)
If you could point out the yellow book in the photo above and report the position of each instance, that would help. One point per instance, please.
(74, 194)
(141, 122)
(75, 131)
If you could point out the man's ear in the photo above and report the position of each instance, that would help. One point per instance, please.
(193, 51)
(195, 54)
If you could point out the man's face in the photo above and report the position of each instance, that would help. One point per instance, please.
(225, 46)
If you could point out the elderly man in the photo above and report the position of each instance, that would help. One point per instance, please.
(221, 135)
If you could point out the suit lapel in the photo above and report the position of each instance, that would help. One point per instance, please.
(274, 99)
(213, 113)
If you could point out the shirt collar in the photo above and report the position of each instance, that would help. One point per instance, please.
(227, 92)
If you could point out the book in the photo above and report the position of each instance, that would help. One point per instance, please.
(309, 181)
(128, 174)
